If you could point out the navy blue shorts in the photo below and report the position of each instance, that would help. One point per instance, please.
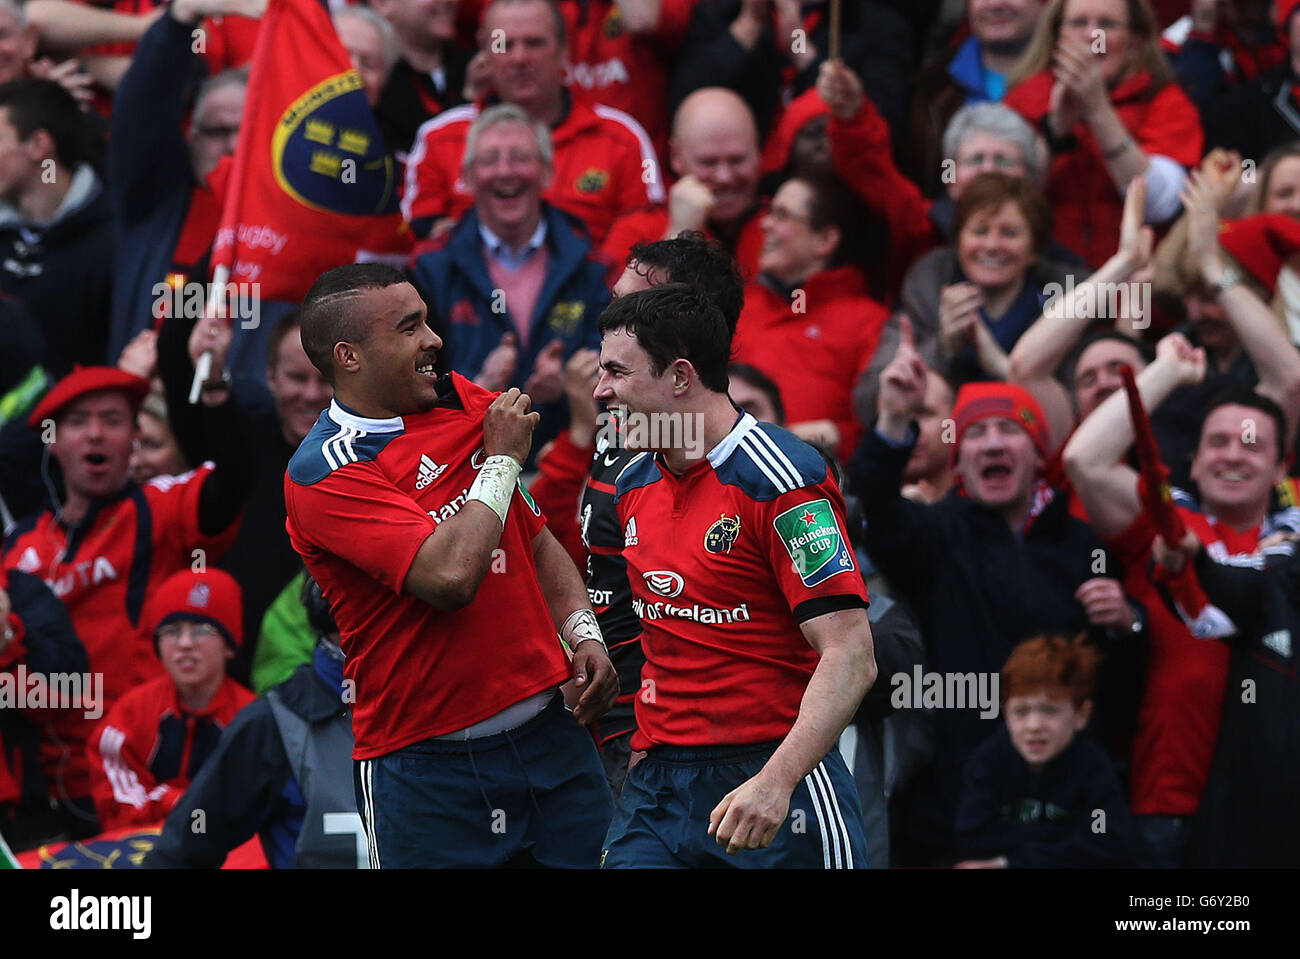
(534, 795)
(662, 819)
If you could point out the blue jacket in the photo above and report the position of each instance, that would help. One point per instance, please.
(459, 291)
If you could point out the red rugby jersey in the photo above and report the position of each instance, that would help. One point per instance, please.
(725, 561)
(362, 497)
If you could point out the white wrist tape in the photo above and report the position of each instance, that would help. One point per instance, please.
(580, 627)
(495, 484)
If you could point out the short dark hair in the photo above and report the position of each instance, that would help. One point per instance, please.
(283, 327)
(1143, 348)
(694, 259)
(761, 382)
(1245, 396)
(326, 317)
(671, 322)
(37, 104)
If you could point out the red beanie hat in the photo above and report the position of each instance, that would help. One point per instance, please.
(1262, 244)
(982, 401)
(88, 379)
(807, 106)
(208, 597)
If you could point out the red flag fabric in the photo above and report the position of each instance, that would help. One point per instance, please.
(124, 849)
(313, 184)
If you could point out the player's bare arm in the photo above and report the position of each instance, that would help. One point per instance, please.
(750, 816)
(452, 562)
(594, 677)
(1094, 456)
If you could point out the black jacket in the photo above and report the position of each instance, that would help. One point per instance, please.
(1254, 118)
(876, 45)
(1247, 816)
(62, 272)
(1070, 813)
(978, 590)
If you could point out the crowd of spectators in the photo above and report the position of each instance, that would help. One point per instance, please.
(952, 237)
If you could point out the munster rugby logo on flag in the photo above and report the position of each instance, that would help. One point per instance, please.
(813, 539)
(327, 154)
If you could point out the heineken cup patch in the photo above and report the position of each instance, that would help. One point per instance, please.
(814, 541)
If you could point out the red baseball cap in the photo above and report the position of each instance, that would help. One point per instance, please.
(88, 379)
(212, 596)
(982, 401)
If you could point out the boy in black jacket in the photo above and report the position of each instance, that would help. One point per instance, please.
(1036, 795)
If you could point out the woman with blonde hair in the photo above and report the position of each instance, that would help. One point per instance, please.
(1096, 84)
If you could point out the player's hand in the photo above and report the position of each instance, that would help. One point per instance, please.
(999, 863)
(1105, 604)
(689, 204)
(595, 678)
(546, 384)
(508, 426)
(750, 816)
(499, 367)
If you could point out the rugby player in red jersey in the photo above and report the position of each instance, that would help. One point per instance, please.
(448, 591)
(753, 610)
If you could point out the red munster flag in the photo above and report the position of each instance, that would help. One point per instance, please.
(313, 184)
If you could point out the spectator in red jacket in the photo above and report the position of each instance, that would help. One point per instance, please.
(1111, 111)
(154, 741)
(604, 162)
(714, 151)
(620, 52)
(808, 322)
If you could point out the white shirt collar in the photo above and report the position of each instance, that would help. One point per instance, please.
(498, 247)
(363, 424)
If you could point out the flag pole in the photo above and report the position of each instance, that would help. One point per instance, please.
(834, 30)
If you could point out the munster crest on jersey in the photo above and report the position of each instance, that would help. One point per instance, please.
(721, 536)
